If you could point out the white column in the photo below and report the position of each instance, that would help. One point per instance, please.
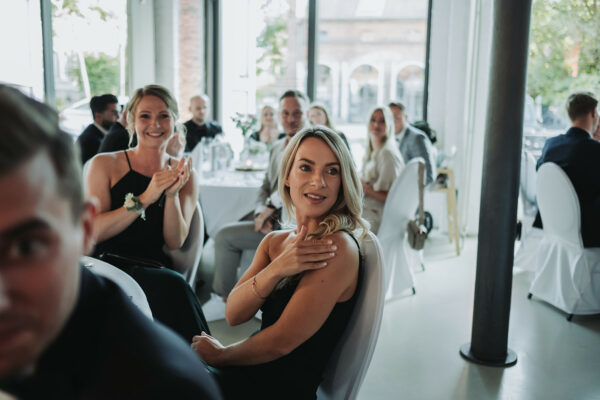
(166, 23)
(140, 25)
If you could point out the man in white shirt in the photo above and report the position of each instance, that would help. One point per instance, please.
(233, 238)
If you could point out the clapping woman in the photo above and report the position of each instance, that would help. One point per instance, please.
(268, 131)
(305, 280)
(146, 200)
(381, 165)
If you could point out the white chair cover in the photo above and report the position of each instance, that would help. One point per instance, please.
(525, 257)
(528, 183)
(567, 275)
(400, 207)
(351, 358)
(131, 288)
(187, 258)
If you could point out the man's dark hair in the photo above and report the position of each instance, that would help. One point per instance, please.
(397, 104)
(294, 93)
(98, 104)
(580, 104)
(30, 127)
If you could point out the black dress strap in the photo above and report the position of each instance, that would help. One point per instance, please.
(127, 157)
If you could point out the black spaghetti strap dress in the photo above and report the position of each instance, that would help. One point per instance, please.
(298, 374)
(170, 297)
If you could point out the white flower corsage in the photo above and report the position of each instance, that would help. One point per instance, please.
(133, 203)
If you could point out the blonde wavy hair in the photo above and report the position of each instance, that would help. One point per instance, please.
(345, 214)
(157, 91)
(388, 141)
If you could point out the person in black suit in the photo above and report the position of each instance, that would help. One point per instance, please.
(66, 333)
(198, 127)
(104, 112)
(117, 137)
(578, 154)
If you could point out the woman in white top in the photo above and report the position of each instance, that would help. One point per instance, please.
(381, 165)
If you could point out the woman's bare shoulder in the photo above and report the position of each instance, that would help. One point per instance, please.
(344, 241)
(106, 159)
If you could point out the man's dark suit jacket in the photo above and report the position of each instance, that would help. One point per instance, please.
(89, 142)
(579, 156)
(109, 350)
(116, 139)
(196, 132)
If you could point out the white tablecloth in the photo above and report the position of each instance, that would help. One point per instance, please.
(227, 196)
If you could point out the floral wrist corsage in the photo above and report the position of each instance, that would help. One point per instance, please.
(133, 203)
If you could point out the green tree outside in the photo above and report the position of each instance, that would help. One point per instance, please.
(102, 70)
(564, 52)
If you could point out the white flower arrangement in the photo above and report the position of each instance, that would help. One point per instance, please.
(133, 203)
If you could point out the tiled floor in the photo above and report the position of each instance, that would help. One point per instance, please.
(417, 353)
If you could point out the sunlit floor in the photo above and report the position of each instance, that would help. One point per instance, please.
(417, 353)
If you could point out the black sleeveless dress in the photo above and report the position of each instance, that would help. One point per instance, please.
(170, 297)
(298, 374)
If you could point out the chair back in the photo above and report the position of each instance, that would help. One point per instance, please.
(351, 358)
(402, 201)
(187, 258)
(558, 204)
(400, 207)
(528, 185)
(131, 288)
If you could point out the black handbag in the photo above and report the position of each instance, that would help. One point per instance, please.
(416, 230)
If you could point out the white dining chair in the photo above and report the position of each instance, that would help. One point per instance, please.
(531, 237)
(350, 360)
(186, 259)
(528, 184)
(400, 206)
(131, 288)
(528, 248)
(567, 275)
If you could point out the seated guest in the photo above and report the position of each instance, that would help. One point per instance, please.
(67, 333)
(117, 137)
(146, 200)
(413, 142)
(198, 127)
(104, 112)
(317, 115)
(268, 131)
(381, 165)
(234, 238)
(305, 280)
(578, 154)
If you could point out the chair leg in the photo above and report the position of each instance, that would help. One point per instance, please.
(422, 267)
(569, 317)
(529, 295)
(414, 291)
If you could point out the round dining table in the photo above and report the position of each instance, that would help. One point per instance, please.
(227, 196)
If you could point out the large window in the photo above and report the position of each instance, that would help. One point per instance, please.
(263, 54)
(21, 63)
(564, 57)
(89, 39)
(370, 52)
